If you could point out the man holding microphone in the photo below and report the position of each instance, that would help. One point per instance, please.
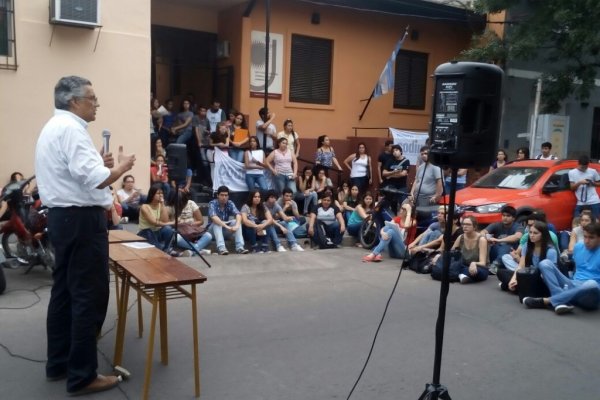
(73, 181)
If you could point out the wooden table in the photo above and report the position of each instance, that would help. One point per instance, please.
(157, 280)
(123, 236)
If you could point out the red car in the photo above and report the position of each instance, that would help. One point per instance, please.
(525, 185)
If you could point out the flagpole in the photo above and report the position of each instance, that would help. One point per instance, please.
(394, 58)
(366, 105)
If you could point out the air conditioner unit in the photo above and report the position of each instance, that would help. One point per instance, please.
(223, 49)
(84, 13)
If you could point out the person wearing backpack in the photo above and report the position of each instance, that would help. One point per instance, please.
(326, 225)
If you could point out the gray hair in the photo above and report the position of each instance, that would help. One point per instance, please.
(68, 88)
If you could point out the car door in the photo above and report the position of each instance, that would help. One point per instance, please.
(557, 199)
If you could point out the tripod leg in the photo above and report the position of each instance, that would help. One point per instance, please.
(435, 392)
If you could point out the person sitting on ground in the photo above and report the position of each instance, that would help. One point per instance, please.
(472, 265)
(584, 289)
(503, 236)
(393, 237)
(538, 250)
(576, 235)
(343, 191)
(257, 223)
(225, 221)
(159, 174)
(297, 223)
(130, 198)
(189, 213)
(154, 223)
(307, 194)
(361, 212)
(326, 225)
(115, 213)
(511, 260)
(350, 202)
(322, 181)
(433, 237)
(282, 223)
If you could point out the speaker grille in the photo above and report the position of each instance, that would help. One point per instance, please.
(79, 10)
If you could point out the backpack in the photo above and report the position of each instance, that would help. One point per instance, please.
(321, 237)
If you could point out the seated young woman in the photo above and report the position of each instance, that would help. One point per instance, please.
(154, 224)
(190, 214)
(306, 195)
(361, 212)
(538, 249)
(326, 219)
(257, 223)
(393, 237)
(432, 239)
(350, 202)
(473, 248)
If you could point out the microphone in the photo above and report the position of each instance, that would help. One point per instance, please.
(105, 140)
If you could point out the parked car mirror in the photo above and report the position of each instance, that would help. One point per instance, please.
(550, 187)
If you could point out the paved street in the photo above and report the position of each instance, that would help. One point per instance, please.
(298, 326)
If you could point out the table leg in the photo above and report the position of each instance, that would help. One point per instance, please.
(195, 334)
(140, 316)
(148, 371)
(117, 289)
(164, 340)
(122, 319)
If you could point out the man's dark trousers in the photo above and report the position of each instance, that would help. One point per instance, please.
(80, 293)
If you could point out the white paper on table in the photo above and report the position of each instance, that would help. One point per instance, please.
(138, 245)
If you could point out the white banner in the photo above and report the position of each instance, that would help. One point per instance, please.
(231, 173)
(411, 143)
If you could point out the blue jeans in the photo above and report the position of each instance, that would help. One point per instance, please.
(159, 238)
(220, 235)
(430, 236)
(594, 207)
(282, 181)
(585, 294)
(481, 275)
(509, 262)
(254, 240)
(353, 229)
(237, 154)
(253, 180)
(394, 243)
(498, 250)
(185, 137)
(198, 244)
(291, 239)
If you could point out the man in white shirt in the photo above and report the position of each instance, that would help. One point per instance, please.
(215, 115)
(545, 155)
(73, 181)
(583, 182)
(265, 127)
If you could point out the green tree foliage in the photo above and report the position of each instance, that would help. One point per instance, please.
(564, 34)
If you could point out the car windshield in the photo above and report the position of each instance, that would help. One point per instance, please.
(510, 178)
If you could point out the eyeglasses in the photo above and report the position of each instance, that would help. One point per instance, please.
(93, 99)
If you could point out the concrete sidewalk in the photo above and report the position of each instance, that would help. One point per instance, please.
(298, 326)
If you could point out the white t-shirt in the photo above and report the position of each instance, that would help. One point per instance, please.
(260, 134)
(359, 167)
(259, 156)
(214, 118)
(586, 194)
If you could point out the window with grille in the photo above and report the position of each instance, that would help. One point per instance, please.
(410, 83)
(8, 59)
(310, 71)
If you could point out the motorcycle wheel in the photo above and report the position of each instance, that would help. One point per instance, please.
(47, 256)
(368, 234)
(10, 244)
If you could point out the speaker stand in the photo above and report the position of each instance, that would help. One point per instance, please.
(435, 390)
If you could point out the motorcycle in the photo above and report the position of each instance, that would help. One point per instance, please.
(25, 234)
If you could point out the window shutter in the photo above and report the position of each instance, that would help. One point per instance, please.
(410, 83)
(310, 72)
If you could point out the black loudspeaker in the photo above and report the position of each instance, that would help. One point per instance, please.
(315, 18)
(465, 120)
(177, 161)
